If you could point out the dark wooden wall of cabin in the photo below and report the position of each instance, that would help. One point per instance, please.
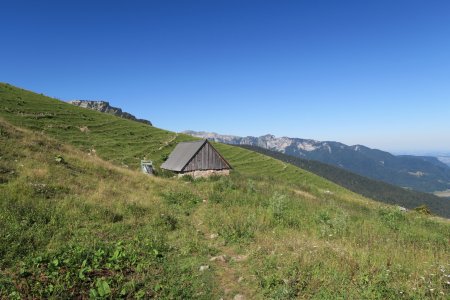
(206, 159)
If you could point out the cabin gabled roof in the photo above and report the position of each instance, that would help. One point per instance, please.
(183, 154)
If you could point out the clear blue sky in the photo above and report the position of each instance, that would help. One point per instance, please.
(359, 72)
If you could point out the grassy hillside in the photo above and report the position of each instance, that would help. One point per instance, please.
(76, 225)
(373, 189)
(115, 139)
(125, 143)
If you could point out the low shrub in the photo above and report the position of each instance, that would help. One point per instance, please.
(392, 218)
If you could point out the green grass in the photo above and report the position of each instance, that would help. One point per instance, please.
(110, 137)
(370, 188)
(87, 226)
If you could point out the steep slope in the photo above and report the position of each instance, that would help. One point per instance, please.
(373, 189)
(76, 226)
(115, 139)
(125, 143)
(422, 173)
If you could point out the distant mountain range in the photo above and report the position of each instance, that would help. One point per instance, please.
(378, 190)
(422, 173)
(105, 107)
(442, 156)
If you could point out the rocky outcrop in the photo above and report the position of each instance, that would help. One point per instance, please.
(105, 107)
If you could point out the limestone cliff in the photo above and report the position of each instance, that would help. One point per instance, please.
(105, 107)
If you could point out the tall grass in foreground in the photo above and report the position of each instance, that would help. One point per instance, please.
(76, 226)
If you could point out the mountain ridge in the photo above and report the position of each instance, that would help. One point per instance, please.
(374, 189)
(105, 107)
(422, 173)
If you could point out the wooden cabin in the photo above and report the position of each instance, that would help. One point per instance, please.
(198, 159)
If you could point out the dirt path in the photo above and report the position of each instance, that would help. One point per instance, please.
(229, 267)
(166, 143)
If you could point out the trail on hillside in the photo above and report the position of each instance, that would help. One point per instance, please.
(230, 266)
(166, 143)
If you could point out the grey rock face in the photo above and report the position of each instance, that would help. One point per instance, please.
(267, 141)
(105, 107)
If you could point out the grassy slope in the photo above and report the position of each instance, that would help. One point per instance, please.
(125, 143)
(111, 137)
(89, 226)
(371, 188)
